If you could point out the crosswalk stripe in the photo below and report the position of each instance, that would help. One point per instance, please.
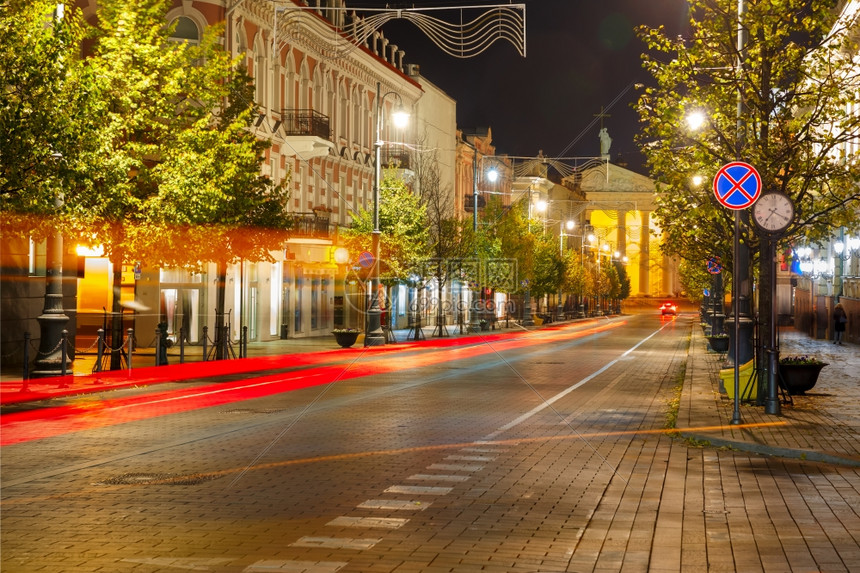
(270, 565)
(419, 490)
(471, 458)
(335, 542)
(455, 467)
(438, 477)
(370, 522)
(394, 504)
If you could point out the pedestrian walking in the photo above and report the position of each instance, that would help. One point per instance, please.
(840, 319)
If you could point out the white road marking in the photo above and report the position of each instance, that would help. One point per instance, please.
(187, 563)
(394, 504)
(483, 450)
(471, 458)
(438, 477)
(270, 565)
(335, 543)
(550, 401)
(455, 467)
(371, 522)
(418, 490)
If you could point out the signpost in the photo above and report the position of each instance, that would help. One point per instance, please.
(715, 265)
(366, 259)
(737, 186)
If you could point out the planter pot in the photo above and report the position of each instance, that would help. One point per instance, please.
(345, 339)
(719, 343)
(798, 378)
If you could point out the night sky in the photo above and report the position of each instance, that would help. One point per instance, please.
(580, 55)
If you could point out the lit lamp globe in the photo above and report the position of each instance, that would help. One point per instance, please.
(341, 256)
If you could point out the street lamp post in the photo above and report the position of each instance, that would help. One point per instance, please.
(375, 336)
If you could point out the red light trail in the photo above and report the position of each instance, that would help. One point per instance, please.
(17, 427)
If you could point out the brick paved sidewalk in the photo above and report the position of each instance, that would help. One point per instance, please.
(822, 425)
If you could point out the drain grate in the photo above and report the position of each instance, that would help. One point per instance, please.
(158, 479)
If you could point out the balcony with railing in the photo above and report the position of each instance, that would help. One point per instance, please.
(307, 131)
(311, 225)
(396, 159)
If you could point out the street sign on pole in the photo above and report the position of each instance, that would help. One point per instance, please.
(737, 185)
(715, 265)
(366, 259)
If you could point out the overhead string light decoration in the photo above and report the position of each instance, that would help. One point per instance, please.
(466, 39)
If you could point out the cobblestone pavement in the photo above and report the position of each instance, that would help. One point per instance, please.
(823, 424)
(554, 470)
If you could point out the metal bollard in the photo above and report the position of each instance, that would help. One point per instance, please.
(101, 349)
(130, 348)
(26, 377)
(64, 351)
(64, 340)
(182, 345)
(158, 347)
(244, 342)
(205, 339)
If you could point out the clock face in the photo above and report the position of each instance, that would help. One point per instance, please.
(773, 212)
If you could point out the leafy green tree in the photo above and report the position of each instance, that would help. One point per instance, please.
(623, 280)
(785, 104)
(798, 82)
(548, 267)
(174, 169)
(403, 230)
(48, 122)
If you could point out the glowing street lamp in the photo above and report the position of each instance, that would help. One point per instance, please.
(375, 336)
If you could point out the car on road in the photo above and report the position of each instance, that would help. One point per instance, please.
(669, 308)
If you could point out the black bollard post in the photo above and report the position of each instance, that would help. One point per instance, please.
(64, 352)
(182, 345)
(158, 346)
(205, 339)
(26, 376)
(101, 350)
(130, 348)
(244, 342)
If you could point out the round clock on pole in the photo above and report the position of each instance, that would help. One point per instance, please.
(773, 213)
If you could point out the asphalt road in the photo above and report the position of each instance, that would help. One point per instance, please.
(544, 453)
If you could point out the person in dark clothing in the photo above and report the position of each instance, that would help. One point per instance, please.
(840, 319)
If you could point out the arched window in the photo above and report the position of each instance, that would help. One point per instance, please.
(356, 117)
(260, 72)
(186, 30)
(343, 114)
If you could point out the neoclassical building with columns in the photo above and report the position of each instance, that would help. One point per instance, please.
(619, 207)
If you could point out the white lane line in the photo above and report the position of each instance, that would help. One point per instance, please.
(419, 490)
(190, 563)
(394, 504)
(369, 522)
(483, 450)
(550, 401)
(437, 477)
(336, 543)
(455, 467)
(471, 458)
(269, 565)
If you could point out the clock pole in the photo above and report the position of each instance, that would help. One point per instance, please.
(773, 214)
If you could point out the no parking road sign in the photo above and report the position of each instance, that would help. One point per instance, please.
(366, 259)
(737, 185)
(715, 265)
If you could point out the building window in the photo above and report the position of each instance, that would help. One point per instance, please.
(186, 31)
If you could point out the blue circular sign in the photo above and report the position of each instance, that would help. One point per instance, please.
(715, 265)
(737, 185)
(366, 259)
